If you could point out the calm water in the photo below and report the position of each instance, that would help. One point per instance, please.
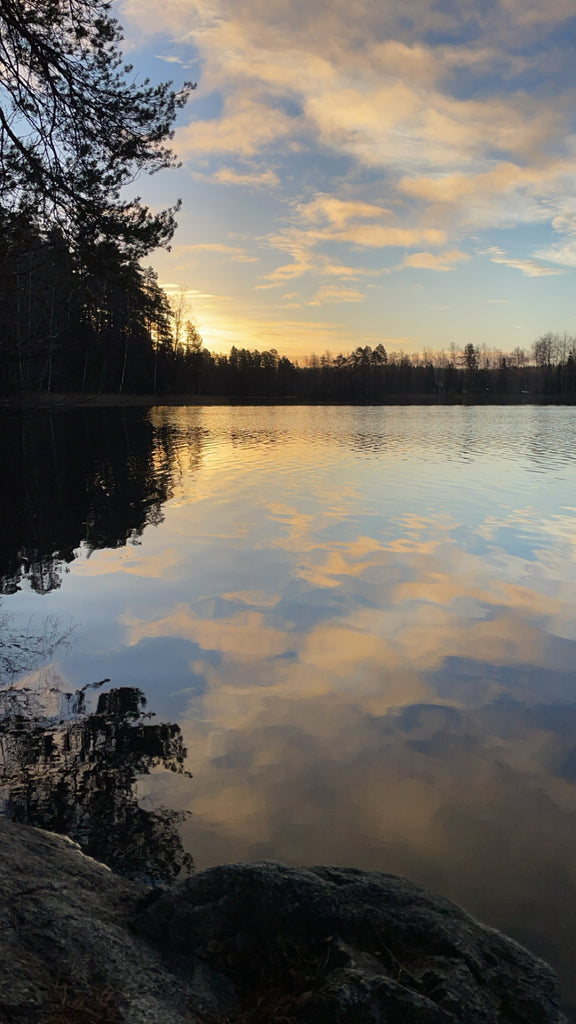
(364, 621)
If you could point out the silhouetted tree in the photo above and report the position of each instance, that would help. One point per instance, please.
(470, 362)
(76, 127)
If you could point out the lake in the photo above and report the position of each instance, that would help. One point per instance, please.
(363, 620)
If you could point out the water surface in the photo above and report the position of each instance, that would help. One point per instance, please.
(363, 619)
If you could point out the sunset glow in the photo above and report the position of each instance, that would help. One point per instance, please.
(356, 173)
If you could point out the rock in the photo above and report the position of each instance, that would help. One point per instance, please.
(257, 943)
(65, 940)
(343, 946)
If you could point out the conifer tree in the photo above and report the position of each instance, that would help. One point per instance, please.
(76, 127)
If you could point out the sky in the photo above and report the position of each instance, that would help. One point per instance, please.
(357, 172)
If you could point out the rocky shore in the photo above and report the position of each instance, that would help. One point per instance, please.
(247, 944)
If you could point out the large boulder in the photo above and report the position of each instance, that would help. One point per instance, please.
(247, 943)
(67, 955)
(329, 945)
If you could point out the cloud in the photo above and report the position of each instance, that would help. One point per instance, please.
(321, 223)
(327, 219)
(378, 126)
(189, 293)
(251, 179)
(358, 89)
(319, 265)
(218, 249)
(347, 273)
(499, 178)
(529, 267)
(338, 212)
(435, 261)
(169, 58)
(503, 195)
(332, 293)
(531, 13)
(286, 272)
(247, 126)
(427, 672)
(563, 253)
(325, 26)
(160, 565)
(376, 236)
(244, 636)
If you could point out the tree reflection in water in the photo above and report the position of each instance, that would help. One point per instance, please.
(74, 771)
(91, 477)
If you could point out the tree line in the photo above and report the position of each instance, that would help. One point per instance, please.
(373, 375)
(177, 363)
(110, 328)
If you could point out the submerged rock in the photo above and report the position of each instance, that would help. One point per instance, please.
(248, 943)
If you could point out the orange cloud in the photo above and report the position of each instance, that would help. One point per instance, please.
(251, 179)
(233, 252)
(435, 261)
(408, 159)
(246, 127)
(333, 293)
(338, 212)
(246, 636)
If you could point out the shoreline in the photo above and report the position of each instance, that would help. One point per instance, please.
(241, 942)
(32, 400)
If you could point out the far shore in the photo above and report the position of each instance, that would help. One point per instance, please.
(27, 401)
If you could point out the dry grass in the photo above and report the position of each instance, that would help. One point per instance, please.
(98, 1006)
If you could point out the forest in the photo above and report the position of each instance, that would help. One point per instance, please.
(71, 330)
(77, 129)
(81, 314)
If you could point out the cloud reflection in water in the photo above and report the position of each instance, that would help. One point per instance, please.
(378, 607)
(399, 699)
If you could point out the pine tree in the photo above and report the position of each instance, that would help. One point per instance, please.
(76, 126)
